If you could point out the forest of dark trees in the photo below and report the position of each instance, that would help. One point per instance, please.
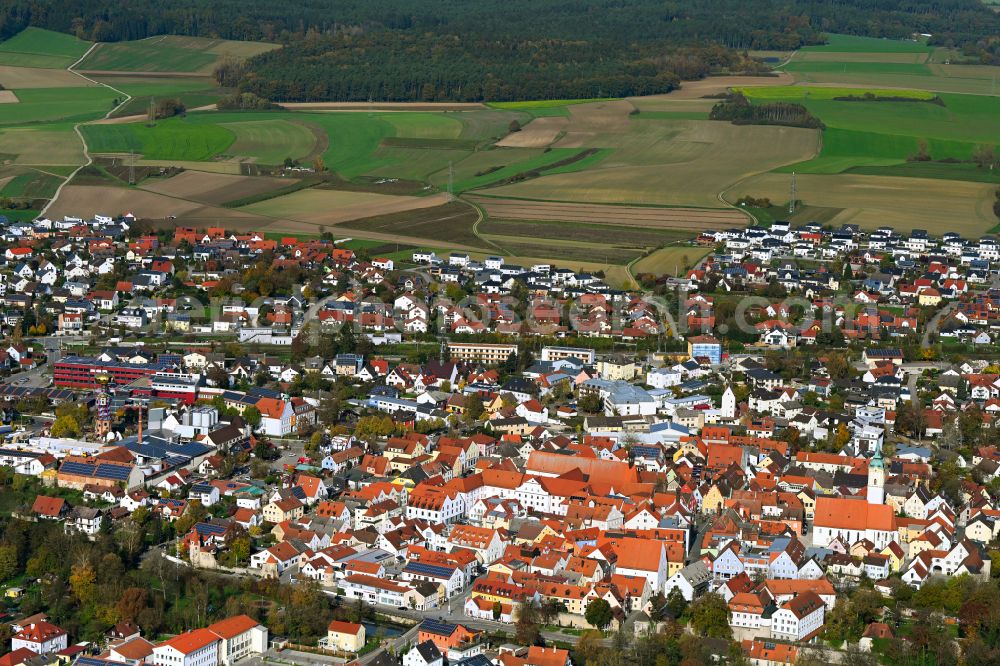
(519, 49)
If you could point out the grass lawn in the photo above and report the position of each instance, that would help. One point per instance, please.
(34, 47)
(168, 139)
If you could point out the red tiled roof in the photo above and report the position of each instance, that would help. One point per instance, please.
(853, 514)
(233, 626)
(191, 641)
(339, 627)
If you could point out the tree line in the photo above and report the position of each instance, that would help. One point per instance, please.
(516, 50)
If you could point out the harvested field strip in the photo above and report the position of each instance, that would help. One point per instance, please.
(873, 201)
(693, 219)
(601, 254)
(383, 106)
(945, 171)
(429, 144)
(294, 186)
(577, 231)
(557, 160)
(316, 206)
(20, 78)
(207, 167)
(451, 223)
(835, 56)
(217, 188)
(670, 260)
(546, 103)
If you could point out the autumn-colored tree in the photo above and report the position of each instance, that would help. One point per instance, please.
(66, 426)
(83, 582)
(131, 603)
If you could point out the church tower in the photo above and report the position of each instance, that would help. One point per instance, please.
(728, 404)
(876, 478)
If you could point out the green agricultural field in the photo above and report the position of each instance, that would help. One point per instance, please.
(271, 141)
(854, 44)
(943, 171)
(38, 105)
(538, 162)
(34, 47)
(803, 94)
(194, 92)
(31, 185)
(424, 125)
(885, 133)
(173, 139)
(46, 145)
(19, 214)
(168, 53)
(852, 68)
(145, 56)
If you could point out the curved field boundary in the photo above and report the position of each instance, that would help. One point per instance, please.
(688, 219)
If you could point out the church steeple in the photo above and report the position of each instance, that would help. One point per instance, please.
(876, 477)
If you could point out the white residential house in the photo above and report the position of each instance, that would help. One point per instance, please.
(798, 618)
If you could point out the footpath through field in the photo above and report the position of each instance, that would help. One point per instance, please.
(125, 98)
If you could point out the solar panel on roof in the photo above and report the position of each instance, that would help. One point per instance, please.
(429, 569)
(77, 468)
(209, 528)
(437, 627)
(116, 472)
